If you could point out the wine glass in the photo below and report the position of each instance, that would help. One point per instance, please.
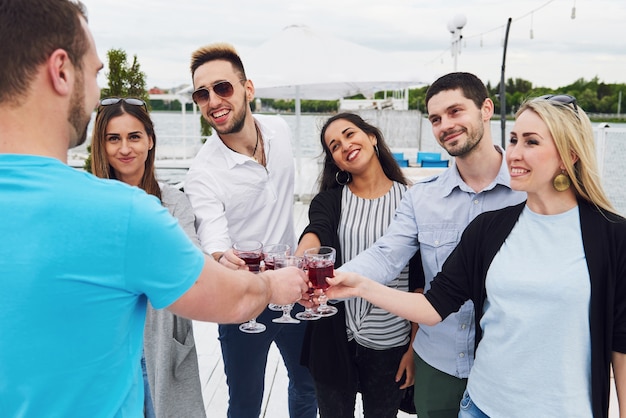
(252, 253)
(271, 253)
(319, 263)
(288, 261)
(309, 314)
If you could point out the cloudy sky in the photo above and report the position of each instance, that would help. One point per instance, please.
(163, 33)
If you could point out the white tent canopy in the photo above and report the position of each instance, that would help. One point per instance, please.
(322, 67)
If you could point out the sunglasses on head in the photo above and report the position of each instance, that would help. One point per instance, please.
(565, 99)
(129, 100)
(223, 89)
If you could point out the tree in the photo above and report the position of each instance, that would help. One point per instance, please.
(123, 81)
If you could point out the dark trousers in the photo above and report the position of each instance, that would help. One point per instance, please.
(376, 374)
(245, 357)
(437, 394)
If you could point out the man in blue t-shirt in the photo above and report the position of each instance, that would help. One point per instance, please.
(80, 256)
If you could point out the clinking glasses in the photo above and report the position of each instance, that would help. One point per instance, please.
(129, 100)
(224, 89)
(565, 99)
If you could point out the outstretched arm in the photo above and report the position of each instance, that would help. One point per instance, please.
(232, 296)
(412, 306)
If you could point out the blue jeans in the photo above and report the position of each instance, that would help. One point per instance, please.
(245, 358)
(469, 408)
(148, 408)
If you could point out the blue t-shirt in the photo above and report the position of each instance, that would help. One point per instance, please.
(78, 257)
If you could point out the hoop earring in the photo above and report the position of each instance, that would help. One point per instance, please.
(345, 181)
(561, 182)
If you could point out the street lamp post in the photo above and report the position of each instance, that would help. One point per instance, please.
(455, 26)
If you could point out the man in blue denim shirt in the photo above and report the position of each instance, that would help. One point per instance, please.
(431, 218)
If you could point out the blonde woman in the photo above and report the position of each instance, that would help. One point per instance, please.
(547, 278)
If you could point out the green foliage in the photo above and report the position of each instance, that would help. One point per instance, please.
(87, 165)
(124, 80)
(306, 106)
(205, 129)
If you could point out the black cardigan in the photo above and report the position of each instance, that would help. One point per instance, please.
(604, 241)
(325, 348)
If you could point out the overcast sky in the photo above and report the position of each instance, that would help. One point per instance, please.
(163, 33)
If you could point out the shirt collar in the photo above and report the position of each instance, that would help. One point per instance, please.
(451, 179)
(234, 158)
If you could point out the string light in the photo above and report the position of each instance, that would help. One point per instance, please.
(503, 27)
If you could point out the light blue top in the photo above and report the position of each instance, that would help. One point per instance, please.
(431, 218)
(536, 338)
(78, 256)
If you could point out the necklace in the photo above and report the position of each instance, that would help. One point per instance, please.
(258, 135)
(257, 143)
(256, 146)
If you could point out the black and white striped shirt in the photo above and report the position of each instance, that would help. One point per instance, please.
(362, 222)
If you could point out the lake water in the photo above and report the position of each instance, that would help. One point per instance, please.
(178, 138)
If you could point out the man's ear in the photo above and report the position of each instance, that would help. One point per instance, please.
(61, 71)
(487, 109)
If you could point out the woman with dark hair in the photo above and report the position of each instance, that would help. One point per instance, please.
(123, 148)
(363, 348)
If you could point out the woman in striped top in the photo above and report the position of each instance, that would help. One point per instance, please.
(363, 348)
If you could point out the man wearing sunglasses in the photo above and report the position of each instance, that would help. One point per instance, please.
(241, 187)
(79, 255)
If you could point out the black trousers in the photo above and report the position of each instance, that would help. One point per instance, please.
(376, 373)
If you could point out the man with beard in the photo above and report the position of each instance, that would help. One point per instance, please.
(431, 218)
(80, 256)
(241, 187)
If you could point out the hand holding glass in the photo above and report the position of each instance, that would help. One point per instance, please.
(252, 253)
(271, 253)
(320, 262)
(288, 261)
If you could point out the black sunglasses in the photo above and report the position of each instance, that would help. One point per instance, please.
(223, 89)
(129, 100)
(565, 99)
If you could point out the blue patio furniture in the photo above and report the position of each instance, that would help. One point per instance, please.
(428, 156)
(435, 163)
(399, 157)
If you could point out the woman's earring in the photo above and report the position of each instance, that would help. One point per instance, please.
(561, 182)
(342, 177)
(376, 151)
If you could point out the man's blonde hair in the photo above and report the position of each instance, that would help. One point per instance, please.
(217, 51)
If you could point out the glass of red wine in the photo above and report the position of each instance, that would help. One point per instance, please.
(252, 253)
(271, 253)
(320, 262)
(288, 261)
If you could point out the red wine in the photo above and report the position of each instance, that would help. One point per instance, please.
(253, 260)
(318, 272)
(269, 264)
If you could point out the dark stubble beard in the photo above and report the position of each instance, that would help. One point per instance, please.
(473, 139)
(239, 121)
(77, 118)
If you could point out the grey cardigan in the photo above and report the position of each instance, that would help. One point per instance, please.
(169, 346)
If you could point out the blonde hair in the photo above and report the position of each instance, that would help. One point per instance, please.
(217, 51)
(573, 136)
